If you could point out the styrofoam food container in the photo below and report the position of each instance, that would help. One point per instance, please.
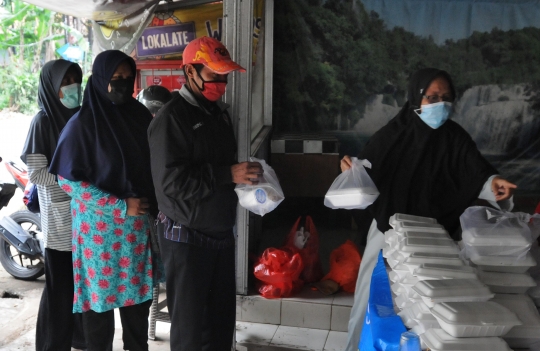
(402, 301)
(534, 294)
(401, 217)
(419, 227)
(417, 258)
(507, 283)
(521, 336)
(352, 198)
(392, 237)
(439, 340)
(418, 314)
(452, 290)
(503, 264)
(394, 258)
(398, 273)
(474, 319)
(442, 246)
(428, 271)
(405, 287)
(481, 241)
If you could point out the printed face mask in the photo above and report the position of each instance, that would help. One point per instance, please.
(121, 90)
(434, 115)
(213, 91)
(72, 95)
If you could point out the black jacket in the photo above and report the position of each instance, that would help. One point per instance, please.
(192, 151)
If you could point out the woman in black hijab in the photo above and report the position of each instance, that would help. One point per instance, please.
(59, 94)
(103, 162)
(423, 164)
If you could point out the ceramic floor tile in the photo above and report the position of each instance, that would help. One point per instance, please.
(343, 299)
(255, 333)
(336, 341)
(340, 318)
(300, 338)
(257, 309)
(306, 315)
(312, 296)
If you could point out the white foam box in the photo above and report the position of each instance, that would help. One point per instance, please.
(430, 271)
(487, 242)
(534, 294)
(399, 272)
(401, 217)
(403, 301)
(439, 340)
(452, 290)
(418, 314)
(392, 237)
(352, 198)
(507, 283)
(394, 258)
(528, 333)
(419, 227)
(418, 258)
(408, 246)
(504, 264)
(405, 287)
(474, 319)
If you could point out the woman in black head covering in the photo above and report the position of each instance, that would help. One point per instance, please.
(423, 164)
(103, 163)
(59, 94)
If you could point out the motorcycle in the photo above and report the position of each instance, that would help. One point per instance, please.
(21, 239)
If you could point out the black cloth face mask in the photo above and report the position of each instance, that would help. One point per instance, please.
(121, 90)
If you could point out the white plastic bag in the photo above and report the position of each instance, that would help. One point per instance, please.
(491, 232)
(352, 188)
(263, 197)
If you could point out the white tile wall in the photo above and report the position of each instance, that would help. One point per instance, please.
(305, 315)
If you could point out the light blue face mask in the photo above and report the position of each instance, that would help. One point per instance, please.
(434, 115)
(72, 95)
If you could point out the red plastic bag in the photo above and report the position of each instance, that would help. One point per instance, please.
(344, 265)
(308, 246)
(279, 270)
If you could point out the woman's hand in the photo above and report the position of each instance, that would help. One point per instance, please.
(137, 206)
(502, 189)
(346, 163)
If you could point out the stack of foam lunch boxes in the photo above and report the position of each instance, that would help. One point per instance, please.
(444, 299)
(498, 245)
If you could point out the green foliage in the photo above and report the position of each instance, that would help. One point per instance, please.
(18, 89)
(331, 56)
(29, 35)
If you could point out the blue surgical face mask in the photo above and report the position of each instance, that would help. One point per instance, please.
(72, 95)
(434, 115)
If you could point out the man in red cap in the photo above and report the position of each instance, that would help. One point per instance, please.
(194, 168)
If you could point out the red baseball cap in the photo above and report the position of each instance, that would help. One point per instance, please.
(211, 53)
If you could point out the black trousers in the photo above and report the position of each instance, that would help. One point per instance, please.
(201, 296)
(57, 328)
(99, 328)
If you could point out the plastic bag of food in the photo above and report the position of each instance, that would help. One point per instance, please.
(344, 266)
(263, 197)
(279, 271)
(353, 188)
(304, 238)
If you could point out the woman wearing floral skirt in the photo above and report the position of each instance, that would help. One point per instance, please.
(103, 163)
